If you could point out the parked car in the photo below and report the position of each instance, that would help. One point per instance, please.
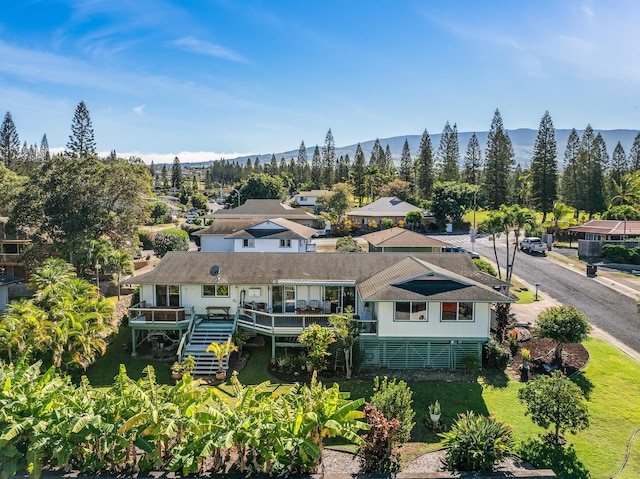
(533, 245)
(191, 215)
(459, 249)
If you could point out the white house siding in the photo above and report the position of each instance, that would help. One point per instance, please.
(266, 246)
(211, 243)
(433, 327)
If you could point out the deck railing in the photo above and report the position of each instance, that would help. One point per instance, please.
(141, 312)
(275, 323)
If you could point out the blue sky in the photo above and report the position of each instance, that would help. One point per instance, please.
(204, 79)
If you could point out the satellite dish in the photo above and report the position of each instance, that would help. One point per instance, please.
(215, 270)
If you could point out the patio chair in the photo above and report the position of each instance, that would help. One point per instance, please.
(301, 304)
(326, 306)
(314, 304)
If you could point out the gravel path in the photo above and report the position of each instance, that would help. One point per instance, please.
(347, 463)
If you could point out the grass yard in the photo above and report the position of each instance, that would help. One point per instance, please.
(610, 379)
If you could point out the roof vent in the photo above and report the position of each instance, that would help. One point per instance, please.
(215, 270)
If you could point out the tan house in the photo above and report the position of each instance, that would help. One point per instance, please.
(388, 207)
(595, 233)
(402, 240)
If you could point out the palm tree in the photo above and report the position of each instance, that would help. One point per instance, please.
(119, 263)
(558, 213)
(49, 278)
(493, 225)
(220, 351)
(627, 191)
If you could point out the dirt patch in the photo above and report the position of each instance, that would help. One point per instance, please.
(574, 358)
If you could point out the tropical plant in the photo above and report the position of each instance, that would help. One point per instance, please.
(477, 443)
(240, 338)
(220, 351)
(563, 324)
(495, 356)
(434, 408)
(557, 402)
(347, 332)
(119, 263)
(378, 453)
(394, 398)
(525, 354)
(317, 340)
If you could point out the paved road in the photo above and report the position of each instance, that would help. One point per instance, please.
(607, 309)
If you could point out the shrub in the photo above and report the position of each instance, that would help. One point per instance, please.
(469, 363)
(378, 453)
(386, 223)
(615, 253)
(347, 244)
(146, 239)
(485, 267)
(563, 324)
(477, 443)
(173, 239)
(495, 356)
(393, 399)
(373, 225)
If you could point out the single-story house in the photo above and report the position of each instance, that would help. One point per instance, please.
(257, 235)
(266, 209)
(387, 207)
(402, 240)
(414, 311)
(593, 234)
(309, 198)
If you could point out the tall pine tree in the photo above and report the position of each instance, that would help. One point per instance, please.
(619, 164)
(316, 168)
(573, 174)
(424, 166)
(472, 161)
(358, 176)
(9, 143)
(499, 160)
(328, 160)
(303, 164)
(544, 167)
(176, 175)
(43, 152)
(406, 165)
(634, 154)
(449, 154)
(81, 141)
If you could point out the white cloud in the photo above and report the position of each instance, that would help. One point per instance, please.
(184, 156)
(139, 110)
(203, 47)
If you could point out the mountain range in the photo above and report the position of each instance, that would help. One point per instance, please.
(522, 139)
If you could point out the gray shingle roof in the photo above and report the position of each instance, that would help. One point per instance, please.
(374, 273)
(284, 229)
(395, 237)
(387, 206)
(263, 208)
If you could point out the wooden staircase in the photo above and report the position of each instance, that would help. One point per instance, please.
(200, 337)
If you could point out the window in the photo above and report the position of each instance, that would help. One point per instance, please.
(285, 243)
(457, 311)
(215, 290)
(167, 295)
(411, 311)
(249, 243)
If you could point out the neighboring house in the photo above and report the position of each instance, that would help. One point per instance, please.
(415, 311)
(309, 198)
(387, 207)
(256, 235)
(593, 234)
(266, 209)
(402, 240)
(12, 246)
(5, 284)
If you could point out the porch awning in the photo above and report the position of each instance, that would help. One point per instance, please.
(307, 282)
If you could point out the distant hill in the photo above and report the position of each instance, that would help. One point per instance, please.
(523, 140)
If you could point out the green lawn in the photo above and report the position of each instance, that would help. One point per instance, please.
(611, 380)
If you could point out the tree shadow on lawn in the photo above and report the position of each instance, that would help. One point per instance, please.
(584, 383)
(497, 379)
(562, 459)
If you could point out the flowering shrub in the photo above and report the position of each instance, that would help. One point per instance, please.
(378, 453)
